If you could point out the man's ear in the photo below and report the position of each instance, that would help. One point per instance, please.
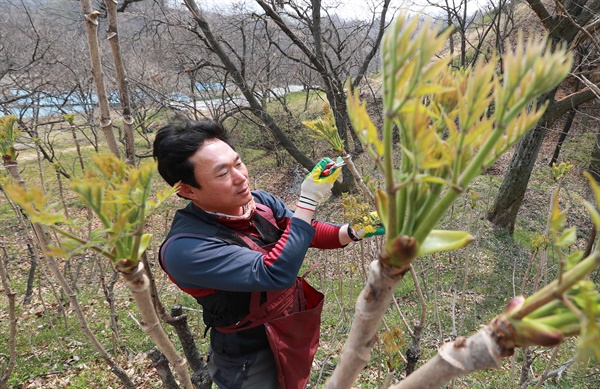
(185, 190)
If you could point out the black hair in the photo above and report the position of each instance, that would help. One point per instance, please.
(176, 142)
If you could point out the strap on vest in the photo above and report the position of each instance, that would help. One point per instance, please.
(277, 301)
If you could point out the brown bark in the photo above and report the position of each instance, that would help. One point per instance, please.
(201, 377)
(527, 361)
(413, 354)
(163, 370)
(33, 257)
(504, 211)
(506, 206)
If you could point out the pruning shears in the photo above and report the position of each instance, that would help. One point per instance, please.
(331, 166)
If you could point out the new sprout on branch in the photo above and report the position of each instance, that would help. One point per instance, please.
(454, 124)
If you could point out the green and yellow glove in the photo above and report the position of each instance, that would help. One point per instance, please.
(371, 226)
(318, 183)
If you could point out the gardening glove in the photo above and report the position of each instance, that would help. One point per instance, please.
(371, 226)
(318, 183)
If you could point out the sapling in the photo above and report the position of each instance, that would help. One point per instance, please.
(453, 124)
(119, 196)
(70, 118)
(8, 135)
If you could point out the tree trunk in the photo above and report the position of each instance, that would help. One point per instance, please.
(138, 284)
(201, 376)
(373, 301)
(413, 354)
(33, 257)
(115, 46)
(527, 361)
(340, 111)
(91, 23)
(568, 122)
(512, 191)
(163, 370)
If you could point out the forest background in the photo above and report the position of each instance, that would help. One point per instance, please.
(272, 82)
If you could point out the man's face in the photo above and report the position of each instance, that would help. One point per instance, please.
(223, 179)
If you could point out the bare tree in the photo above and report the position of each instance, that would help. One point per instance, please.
(258, 54)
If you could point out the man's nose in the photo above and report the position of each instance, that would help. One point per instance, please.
(238, 176)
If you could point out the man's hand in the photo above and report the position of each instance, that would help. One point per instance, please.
(318, 183)
(371, 226)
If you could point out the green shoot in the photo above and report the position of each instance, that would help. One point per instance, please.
(119, 195)
(453, 125)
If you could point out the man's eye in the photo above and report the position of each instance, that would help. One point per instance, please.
(222, 174)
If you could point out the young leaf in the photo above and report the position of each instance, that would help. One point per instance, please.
(440, 240)
(144, 243)
(567, 237)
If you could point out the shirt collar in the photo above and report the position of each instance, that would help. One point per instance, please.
(248, 212)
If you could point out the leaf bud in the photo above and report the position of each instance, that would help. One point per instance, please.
(403, 249)
(530, 332)
(125, 265)
(514, 304)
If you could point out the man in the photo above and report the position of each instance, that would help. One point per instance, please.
(230, 244)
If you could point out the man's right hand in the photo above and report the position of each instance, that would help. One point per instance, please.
(316, 186)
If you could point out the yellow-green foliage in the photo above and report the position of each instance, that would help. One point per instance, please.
(453, 124)
(570, 305)
(325, 128)
(119, 195)
(8, 134)
(355, 212)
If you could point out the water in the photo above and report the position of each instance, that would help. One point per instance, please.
(44, 104)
